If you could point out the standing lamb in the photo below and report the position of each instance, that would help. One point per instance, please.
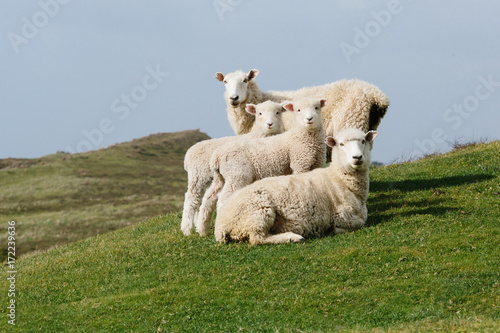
(289, 208)
(351, 103)
(268, 121)
(238, 164)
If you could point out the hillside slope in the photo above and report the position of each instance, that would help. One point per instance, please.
(427, 261)
(61, 198)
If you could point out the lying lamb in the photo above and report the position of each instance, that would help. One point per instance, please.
(298, 150)
(288, 208)
(268, 121)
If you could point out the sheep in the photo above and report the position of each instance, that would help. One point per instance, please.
(352, 103)
(268, 121)
(238, 164)
(288, 208)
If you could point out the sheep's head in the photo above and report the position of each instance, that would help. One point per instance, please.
(351, 148)
(268, 117)
(236, 85)
(307, 112)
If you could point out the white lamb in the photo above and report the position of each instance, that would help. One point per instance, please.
(288, 208)
(351, 103)
(236, 165)
(268, 121)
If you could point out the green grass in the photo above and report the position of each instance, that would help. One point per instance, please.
(62, 198)
(427, 261)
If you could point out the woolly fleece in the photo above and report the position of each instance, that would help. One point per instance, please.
(351, 103)
(298, 150)
(197, 159)
(288, 208)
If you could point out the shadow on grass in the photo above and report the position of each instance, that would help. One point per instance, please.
(433, 203)
(427, 184)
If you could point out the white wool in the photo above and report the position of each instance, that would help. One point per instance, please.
(288, 208)
(351, 103)
(268, 121)
(238, 164)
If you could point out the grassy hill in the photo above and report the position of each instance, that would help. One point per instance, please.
(62, 198)
(427, 261)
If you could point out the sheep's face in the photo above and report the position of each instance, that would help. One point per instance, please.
(307, 112)
(236, 85)
(352, 148)
(268, 117)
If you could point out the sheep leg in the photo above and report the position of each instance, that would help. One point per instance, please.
(286, 237)
(192, 201)
(231, 186)
(349, 223)
(340, 231)
(208, 205)
(261, 220)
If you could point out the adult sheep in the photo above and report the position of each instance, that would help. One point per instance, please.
(351, 103)
(288, 208)
(268, 121)
(236, 165)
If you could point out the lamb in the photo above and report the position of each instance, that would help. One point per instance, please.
(351, 103)
(288, 208)
(268, 121)
(236, 165)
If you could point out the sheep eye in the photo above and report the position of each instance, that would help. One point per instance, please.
(260, 113)
(341, 144)
(277, 113)
(245, 80)
(363, 142)
(316, 108)
(225, 81)
(298, 110)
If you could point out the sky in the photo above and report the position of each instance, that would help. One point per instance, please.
(83, 75)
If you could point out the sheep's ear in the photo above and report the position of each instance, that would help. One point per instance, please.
(287, 106)
(250, 108)
(219, 76)
(370, 136)
(253, 74)
(330, 141)
(323, 102)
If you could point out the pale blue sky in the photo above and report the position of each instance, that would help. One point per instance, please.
(78, 75)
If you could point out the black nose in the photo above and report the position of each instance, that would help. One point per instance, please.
(358, 157)
(234, 98)
(309, 119)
